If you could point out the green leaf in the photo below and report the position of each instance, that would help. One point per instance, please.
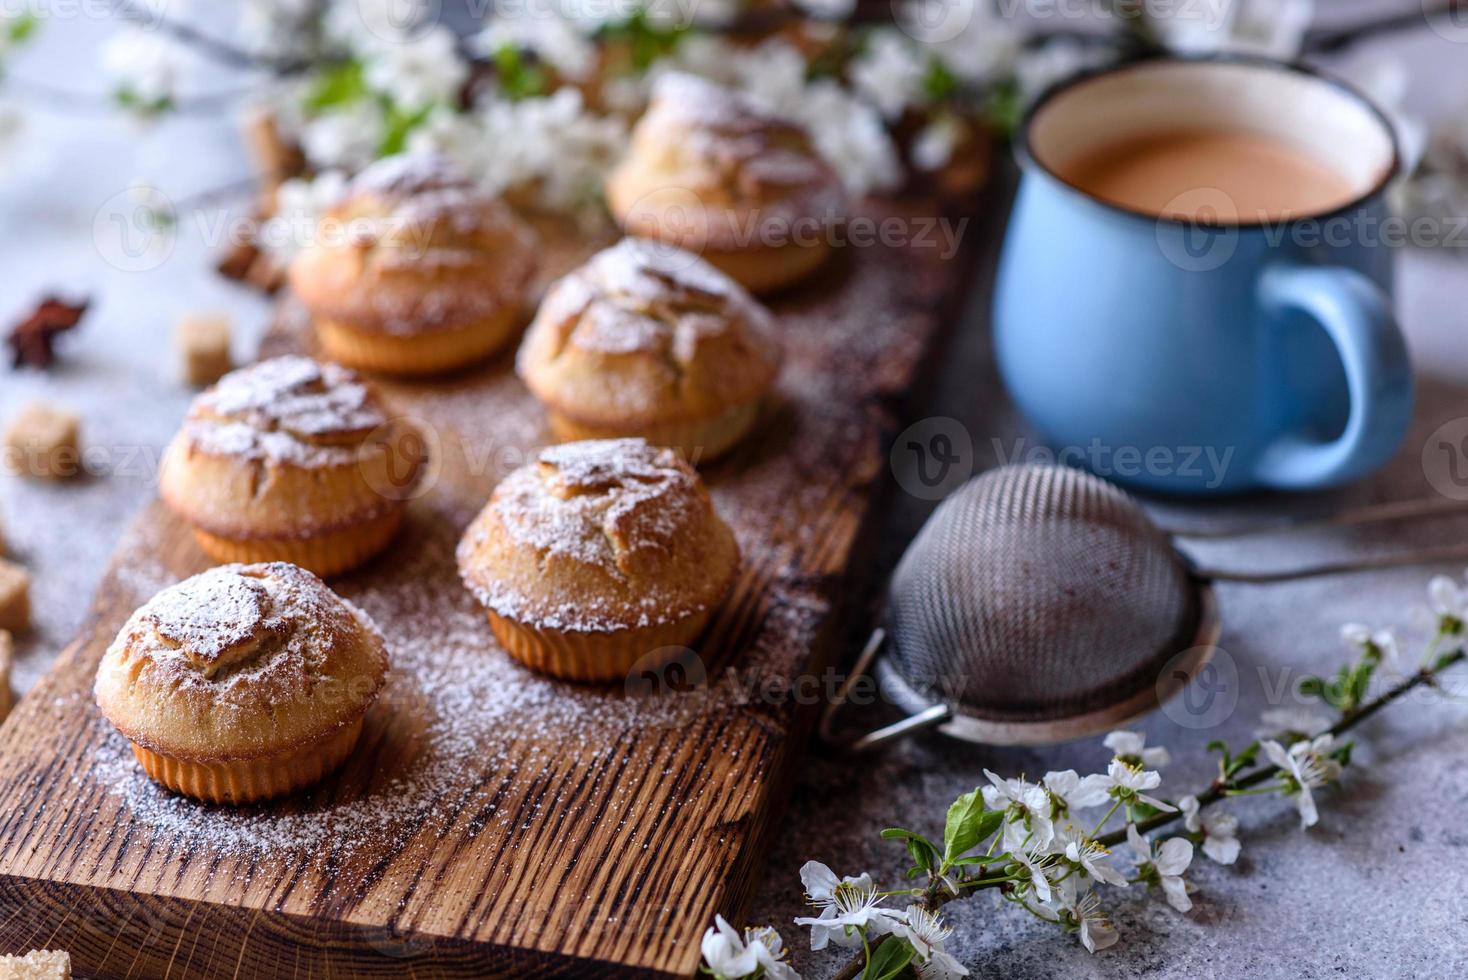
(518, 77)
(1004, 107)
(647, 41)
(130, 100)
(939, 83)
(337, 85)
(924, 855)
(888, 960)
(22, 28)
(968, 825)
(399, 125)
(898, 833)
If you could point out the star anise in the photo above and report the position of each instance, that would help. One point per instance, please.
(32, 340)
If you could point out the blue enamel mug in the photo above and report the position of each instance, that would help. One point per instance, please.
(1220, 352)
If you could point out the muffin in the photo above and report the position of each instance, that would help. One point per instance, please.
(416, 270)
(291, 460)
(647, 340)
(598, 556)
(710, 171)
(243, 683)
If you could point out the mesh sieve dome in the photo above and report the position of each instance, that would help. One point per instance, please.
(1037, 594)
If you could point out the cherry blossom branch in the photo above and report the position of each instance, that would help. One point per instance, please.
(934, 896)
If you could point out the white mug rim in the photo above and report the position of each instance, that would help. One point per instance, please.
(1028, 159)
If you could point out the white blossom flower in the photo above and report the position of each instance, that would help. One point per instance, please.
(1073, 792)
(1092, 858)
(940, 967)
(846, 904)
(1131, 748)
(1306, 766)
(729, 956)
(1164, 866)
(890, 72)
(927, 932)
(934, 144)
(551, 147)
(348, 137)
(416, 71)
(555, 40)
(1448, 601)
(972, 38)
(1296, 722)
(1126, 783)
(1364, 638)
(1218, 829)
(145, 64)
(1026, 804)
(1035, 863)
(1080, 909)
(299, 205)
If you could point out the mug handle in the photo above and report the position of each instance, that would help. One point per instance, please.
(1356, 314)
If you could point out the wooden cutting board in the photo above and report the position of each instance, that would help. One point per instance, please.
(492, 823)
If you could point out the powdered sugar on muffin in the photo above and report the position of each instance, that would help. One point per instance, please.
(288, 409)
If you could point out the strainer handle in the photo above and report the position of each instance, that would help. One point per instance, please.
(927, 718)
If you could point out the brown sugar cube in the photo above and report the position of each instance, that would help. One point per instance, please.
(44, 441)
(203, 348)
(38, 964)
(15, 597)
(7, 658)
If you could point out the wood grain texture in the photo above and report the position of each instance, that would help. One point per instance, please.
(574, 830)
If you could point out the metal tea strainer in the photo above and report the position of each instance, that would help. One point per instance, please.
(1041, 603)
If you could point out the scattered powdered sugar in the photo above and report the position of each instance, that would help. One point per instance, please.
(457, 714)
(470, 708)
